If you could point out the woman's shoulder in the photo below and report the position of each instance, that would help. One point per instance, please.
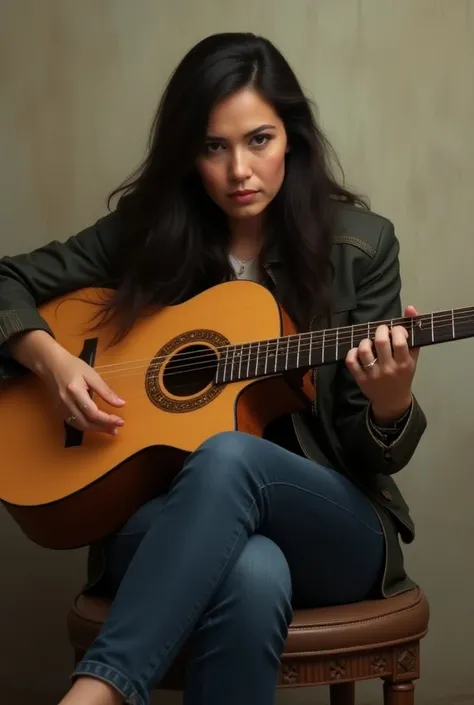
(363, 229)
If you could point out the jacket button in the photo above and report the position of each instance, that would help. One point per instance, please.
(387, 494)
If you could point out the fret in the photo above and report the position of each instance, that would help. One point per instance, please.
(287, 352)
(228, 364)
(232, 370)
(298, 353)
(266, 359)
(464, 323)
(352, 337)
(226, 358)
(276, 356)
(240, 361)
(412, 332)
(249, 357)
(257, 359)
(324, 343)
(310, 354)
(218, 371)
(337, 341)
(443, 326)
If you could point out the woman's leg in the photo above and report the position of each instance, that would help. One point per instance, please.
(234, 486)
(234, 650)
(245, 624)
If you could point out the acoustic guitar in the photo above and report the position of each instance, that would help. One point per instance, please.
(228, 359)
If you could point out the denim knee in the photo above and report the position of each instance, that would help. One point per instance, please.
(229, 446)
(223, 462)
(258, 589)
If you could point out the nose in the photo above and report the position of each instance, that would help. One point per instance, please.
(239, 166)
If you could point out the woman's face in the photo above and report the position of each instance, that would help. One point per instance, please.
(242, 165)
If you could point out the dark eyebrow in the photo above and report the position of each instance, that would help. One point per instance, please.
(261, 128)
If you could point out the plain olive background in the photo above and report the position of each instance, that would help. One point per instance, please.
(394, 83)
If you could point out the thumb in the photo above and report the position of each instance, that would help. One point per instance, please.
(97, 384)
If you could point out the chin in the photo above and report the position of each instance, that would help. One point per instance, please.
(250, 211)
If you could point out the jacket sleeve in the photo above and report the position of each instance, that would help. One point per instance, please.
(28, 280)
(378, 298)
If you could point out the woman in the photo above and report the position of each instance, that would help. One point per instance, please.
(237, 183)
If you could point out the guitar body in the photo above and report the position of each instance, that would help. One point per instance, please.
(66, 488)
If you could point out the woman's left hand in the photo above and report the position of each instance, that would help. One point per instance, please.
(386, 382)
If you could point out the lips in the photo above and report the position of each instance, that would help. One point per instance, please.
(239, 194)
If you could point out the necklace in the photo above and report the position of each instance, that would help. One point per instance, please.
(241, 265)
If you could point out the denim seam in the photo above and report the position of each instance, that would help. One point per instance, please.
(81, 671)
(320, 496)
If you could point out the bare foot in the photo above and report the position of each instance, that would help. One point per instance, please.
(92, 691)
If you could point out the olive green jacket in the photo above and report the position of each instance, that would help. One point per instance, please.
(366, 288)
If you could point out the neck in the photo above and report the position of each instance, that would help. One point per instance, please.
(322, 347)
(246, 237)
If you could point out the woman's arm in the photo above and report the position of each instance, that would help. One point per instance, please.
(365, 441)
(28, 280)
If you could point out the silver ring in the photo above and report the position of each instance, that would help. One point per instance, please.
(70, 419)
(369, 364)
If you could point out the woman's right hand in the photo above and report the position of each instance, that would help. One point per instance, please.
(70, 379)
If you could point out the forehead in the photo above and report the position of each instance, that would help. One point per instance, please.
(240, 113)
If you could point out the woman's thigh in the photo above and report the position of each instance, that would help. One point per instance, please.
(325, 526)
(331, 537)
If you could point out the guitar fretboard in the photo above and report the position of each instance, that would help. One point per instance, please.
(316, 348)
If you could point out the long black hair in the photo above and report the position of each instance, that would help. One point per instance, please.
(175, 241)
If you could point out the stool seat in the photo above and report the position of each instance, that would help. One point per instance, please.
(354, 627)
(329, 645)
(373, 623)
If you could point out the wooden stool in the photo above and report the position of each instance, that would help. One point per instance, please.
(334, 646)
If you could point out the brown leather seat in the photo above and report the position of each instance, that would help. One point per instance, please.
(333, 645)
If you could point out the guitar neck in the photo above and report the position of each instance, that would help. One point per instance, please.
(323, 347)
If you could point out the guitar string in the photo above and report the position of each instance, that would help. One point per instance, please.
(239, 359)
(286, 346)
(243, 363)
(314, 335)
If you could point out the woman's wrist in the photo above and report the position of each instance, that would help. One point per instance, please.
(34, 350)
(385, 415)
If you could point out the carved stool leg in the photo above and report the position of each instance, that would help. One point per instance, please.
(399, 693)
(342, 693)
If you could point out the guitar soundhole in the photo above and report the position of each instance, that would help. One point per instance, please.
(181, 375)
(190, 371)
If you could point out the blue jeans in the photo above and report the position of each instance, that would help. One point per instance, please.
(247, 531)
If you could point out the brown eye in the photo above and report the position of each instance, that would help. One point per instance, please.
(261, 140)
(213, 147)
